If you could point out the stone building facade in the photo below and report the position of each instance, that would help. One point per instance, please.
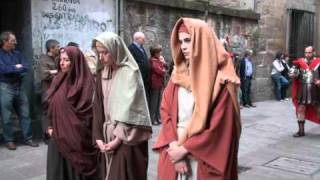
(157, 17)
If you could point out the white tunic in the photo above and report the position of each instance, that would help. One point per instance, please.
(185, 108)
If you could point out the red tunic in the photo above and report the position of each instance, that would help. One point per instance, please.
(215, 149)
(310, 113)
(157, 73)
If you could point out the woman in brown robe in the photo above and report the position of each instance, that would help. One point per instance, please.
(199, 111)
(122, 125)
(71, 154)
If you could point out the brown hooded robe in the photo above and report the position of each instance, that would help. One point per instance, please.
(69, 103)
(212, 136)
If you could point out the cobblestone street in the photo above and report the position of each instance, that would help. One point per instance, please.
(267, 149)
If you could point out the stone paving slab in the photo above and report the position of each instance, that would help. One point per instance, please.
(266, 136)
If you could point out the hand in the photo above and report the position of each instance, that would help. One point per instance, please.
(18, 66)
(113, 145)
(162, 59)
(101, 145)
(176, 153)
(173, 144)
(317, 82)
(181, 167)
(50, 130)
(291, 75)
(53, 72)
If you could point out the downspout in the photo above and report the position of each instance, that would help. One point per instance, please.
(119, 18)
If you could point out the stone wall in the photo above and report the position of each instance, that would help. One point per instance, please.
(157, 21)
(73, 20)
(273, 37)
(234, 4)
(273, 30)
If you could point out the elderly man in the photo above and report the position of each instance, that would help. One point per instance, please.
(305, 89)
(13, 67)
(141, 57)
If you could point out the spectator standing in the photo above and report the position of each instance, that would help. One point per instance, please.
(280, 82)
(158, 70)
(285, 73)
(139, 54)
(47, 70)
(13, 68)
(246, 75)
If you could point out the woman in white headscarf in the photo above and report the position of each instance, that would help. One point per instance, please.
(122, 125)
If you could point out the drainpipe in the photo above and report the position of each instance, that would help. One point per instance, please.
(206, 13)
(119, 17)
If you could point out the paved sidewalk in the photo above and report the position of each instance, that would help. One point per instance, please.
(267, 149)
(269, 152)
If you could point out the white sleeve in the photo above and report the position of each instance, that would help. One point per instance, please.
(278, 66)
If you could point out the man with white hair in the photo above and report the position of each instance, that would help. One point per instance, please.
(141, 57)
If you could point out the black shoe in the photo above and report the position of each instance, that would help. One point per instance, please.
(299, 134)
(11, 146)
(31, 143)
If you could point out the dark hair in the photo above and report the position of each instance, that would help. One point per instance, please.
(155, 49)
(4, 36)
(51, 43)
(278, 55)
(247, 53)
(73, 44)
(285, 55)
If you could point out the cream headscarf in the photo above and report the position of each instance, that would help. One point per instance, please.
(210, 66)
(128, 102)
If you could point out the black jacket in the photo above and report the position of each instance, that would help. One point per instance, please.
(143, 63)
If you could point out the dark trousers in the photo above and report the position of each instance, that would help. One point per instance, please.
(155, 105)
(246, 91)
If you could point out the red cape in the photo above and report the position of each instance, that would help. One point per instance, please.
(215, 149)
(310, 110)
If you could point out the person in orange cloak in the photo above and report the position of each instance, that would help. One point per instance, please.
(200, 115)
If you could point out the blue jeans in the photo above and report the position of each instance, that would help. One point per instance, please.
(14, 99)
(280, 82)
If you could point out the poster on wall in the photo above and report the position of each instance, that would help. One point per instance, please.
(67, 21)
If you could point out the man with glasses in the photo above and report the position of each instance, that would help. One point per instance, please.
(13, 67)
(305, 89)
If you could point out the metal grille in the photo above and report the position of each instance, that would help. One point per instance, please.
(301, 32)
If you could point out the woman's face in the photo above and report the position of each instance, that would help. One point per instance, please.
(185, 44)
(65, 63)
(104, 55)
(157, 55)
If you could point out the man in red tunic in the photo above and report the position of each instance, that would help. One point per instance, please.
(305, 89)
(200, 115)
